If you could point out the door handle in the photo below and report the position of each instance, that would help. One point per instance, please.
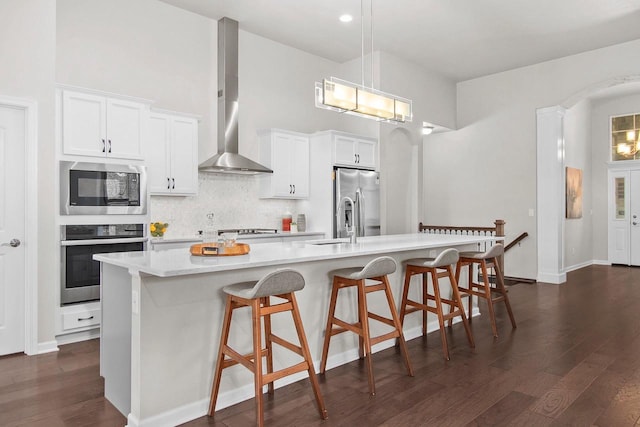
(173, 180)
(634, 223)
(294, 189)
(168, 183)
(104, 146)
(109, 145)
(14, 243)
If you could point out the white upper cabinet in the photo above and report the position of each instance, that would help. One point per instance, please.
(98, 126)
(287, 154)
(172, 154)
(354, 151)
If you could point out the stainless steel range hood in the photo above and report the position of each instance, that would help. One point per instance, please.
(227, 160)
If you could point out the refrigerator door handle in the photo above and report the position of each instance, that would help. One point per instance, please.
(361, 210)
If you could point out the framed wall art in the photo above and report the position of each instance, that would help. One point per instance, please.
(574, 193)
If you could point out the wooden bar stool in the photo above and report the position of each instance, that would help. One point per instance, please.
(437, 268)
(375, 271)
(485, 260)
(280, 284)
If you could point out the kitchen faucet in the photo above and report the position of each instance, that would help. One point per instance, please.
(353, 238)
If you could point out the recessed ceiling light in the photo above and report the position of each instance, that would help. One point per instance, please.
(346, 18)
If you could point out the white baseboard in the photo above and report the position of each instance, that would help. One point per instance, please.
(601, 262)
(578, 266)
(47, 347)
(555, 278)
(78, 336)
(199, 409)
(175, 416)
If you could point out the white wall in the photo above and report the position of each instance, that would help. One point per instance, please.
(487, 168)
(578, 232)
(434, 101)
(602, 110)
(144, 48)
(27, 46)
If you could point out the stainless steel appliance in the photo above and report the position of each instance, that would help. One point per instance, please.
(80, 273)
(98, 188)
(227, 159)
(363, 187)
(245, 231)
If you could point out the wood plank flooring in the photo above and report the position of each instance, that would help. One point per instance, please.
(574, 360)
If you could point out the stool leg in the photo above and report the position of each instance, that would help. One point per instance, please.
(295, 312)
(459, 266)
(224, 337)
(257, 359)
(330, 317)
(363, 314)
(487, 290)
(405, 293)
(438, 301)
(458, 300)
(503, 290)
(398, 324)
(267, 339)
(425, 292)
(361, 350)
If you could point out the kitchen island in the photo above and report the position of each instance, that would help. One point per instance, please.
(162, 315)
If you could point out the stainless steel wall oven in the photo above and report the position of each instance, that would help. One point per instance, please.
(80, 273)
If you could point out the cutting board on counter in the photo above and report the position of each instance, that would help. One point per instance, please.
(219, 249)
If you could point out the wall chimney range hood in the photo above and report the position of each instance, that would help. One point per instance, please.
(227, 160)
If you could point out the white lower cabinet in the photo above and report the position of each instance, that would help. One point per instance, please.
(78, 318)
(172, 155)
(287, 154)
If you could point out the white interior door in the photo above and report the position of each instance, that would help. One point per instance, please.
(634, 211)
(12, 229)
(619, 217)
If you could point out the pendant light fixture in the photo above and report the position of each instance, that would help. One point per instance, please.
(357, 99)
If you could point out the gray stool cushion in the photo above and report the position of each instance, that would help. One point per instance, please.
(378, 267)
(494, 251)
(276, 283)
(446, 257)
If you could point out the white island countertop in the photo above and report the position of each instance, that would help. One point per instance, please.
(178, 262)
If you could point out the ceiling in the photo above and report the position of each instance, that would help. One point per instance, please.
(461, 39)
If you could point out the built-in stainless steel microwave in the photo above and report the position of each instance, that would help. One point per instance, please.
(99, 188)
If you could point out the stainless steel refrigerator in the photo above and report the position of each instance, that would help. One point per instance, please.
(363, 187)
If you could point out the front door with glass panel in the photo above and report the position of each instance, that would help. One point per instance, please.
(624, 217)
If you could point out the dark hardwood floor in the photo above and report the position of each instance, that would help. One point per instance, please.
(573, 361)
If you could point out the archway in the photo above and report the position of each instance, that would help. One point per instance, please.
(550, 177)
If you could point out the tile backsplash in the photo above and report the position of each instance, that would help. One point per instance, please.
(234, 200)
